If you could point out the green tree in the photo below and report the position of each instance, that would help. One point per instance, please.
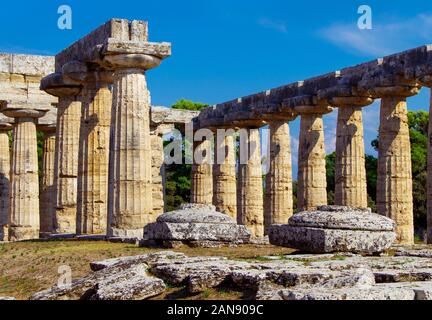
(178, 176)
(189, 105)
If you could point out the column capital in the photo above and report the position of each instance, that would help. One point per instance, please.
(132, 62)
(47, 129)
(426, 81)
(56, 85)
(306, 104)
(395, 91)
(23, 110)
(313, 109)
(78, 72)
(353, 101)
(5, 127)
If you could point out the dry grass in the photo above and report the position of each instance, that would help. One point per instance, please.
(29, 267)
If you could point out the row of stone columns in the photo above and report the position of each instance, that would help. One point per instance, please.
(394, 194)
(103, 165)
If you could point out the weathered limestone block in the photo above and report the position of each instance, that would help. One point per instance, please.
(67, 139)
(196, 223)
(24, 187)
(279, 185)
(375, 293)
(202, 173)
(130, 185)
(93, 163)
(394, 184)
(224, 175)
(123, 282)
(250, 203)
(335, 229)
(47, 192)
(128, 261)
(4, 180)
(351, 185)
(312, 182)
(20, 76)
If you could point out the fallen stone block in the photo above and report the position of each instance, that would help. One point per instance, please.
(196, 225)
(335, 229)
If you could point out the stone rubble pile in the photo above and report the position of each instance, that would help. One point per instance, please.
(336, 229)
(342, 276)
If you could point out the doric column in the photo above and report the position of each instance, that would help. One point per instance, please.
(130, 183)
(158, 175)
(158, 168)
(24, 188)
(351, 183)
(394, 185)
(4, 180)
(224, 174)
(47, 192)
(279, 192)
(67, 139)
(250, 204)
(93, 163)
(202, 173)
(429, 179)
(66, 149)
(312, 181)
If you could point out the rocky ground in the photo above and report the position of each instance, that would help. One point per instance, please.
(404, 273)
(29, 267)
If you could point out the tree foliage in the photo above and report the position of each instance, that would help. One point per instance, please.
(178, 176)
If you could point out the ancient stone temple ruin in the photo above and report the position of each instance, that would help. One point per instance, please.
(103, 162)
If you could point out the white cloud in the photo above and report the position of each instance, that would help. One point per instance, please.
(277, 25)
(384, 39)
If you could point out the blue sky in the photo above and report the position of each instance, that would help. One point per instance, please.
(227, 49)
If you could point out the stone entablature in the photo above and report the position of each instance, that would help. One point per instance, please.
(20, 77)
(406, 70)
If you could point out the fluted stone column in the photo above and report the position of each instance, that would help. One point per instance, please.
(202, 173)
(351, 183)
(312, 181)
(24, 188)
(47, 192)
(394, 185)
(67, 139)
(279, 185)
(250, 204)
(224, 174)
(4, 180)
(429, 179)
(93, 164)
(130, 183)
(158, 175)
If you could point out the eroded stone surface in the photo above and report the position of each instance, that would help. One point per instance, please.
(293, 277)
(125, 279)
(335, 229)
(196, 223)
(344, 218)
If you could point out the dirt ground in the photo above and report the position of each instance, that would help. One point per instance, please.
(29, 267)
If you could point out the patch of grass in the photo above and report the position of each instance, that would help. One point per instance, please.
(29, 267)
